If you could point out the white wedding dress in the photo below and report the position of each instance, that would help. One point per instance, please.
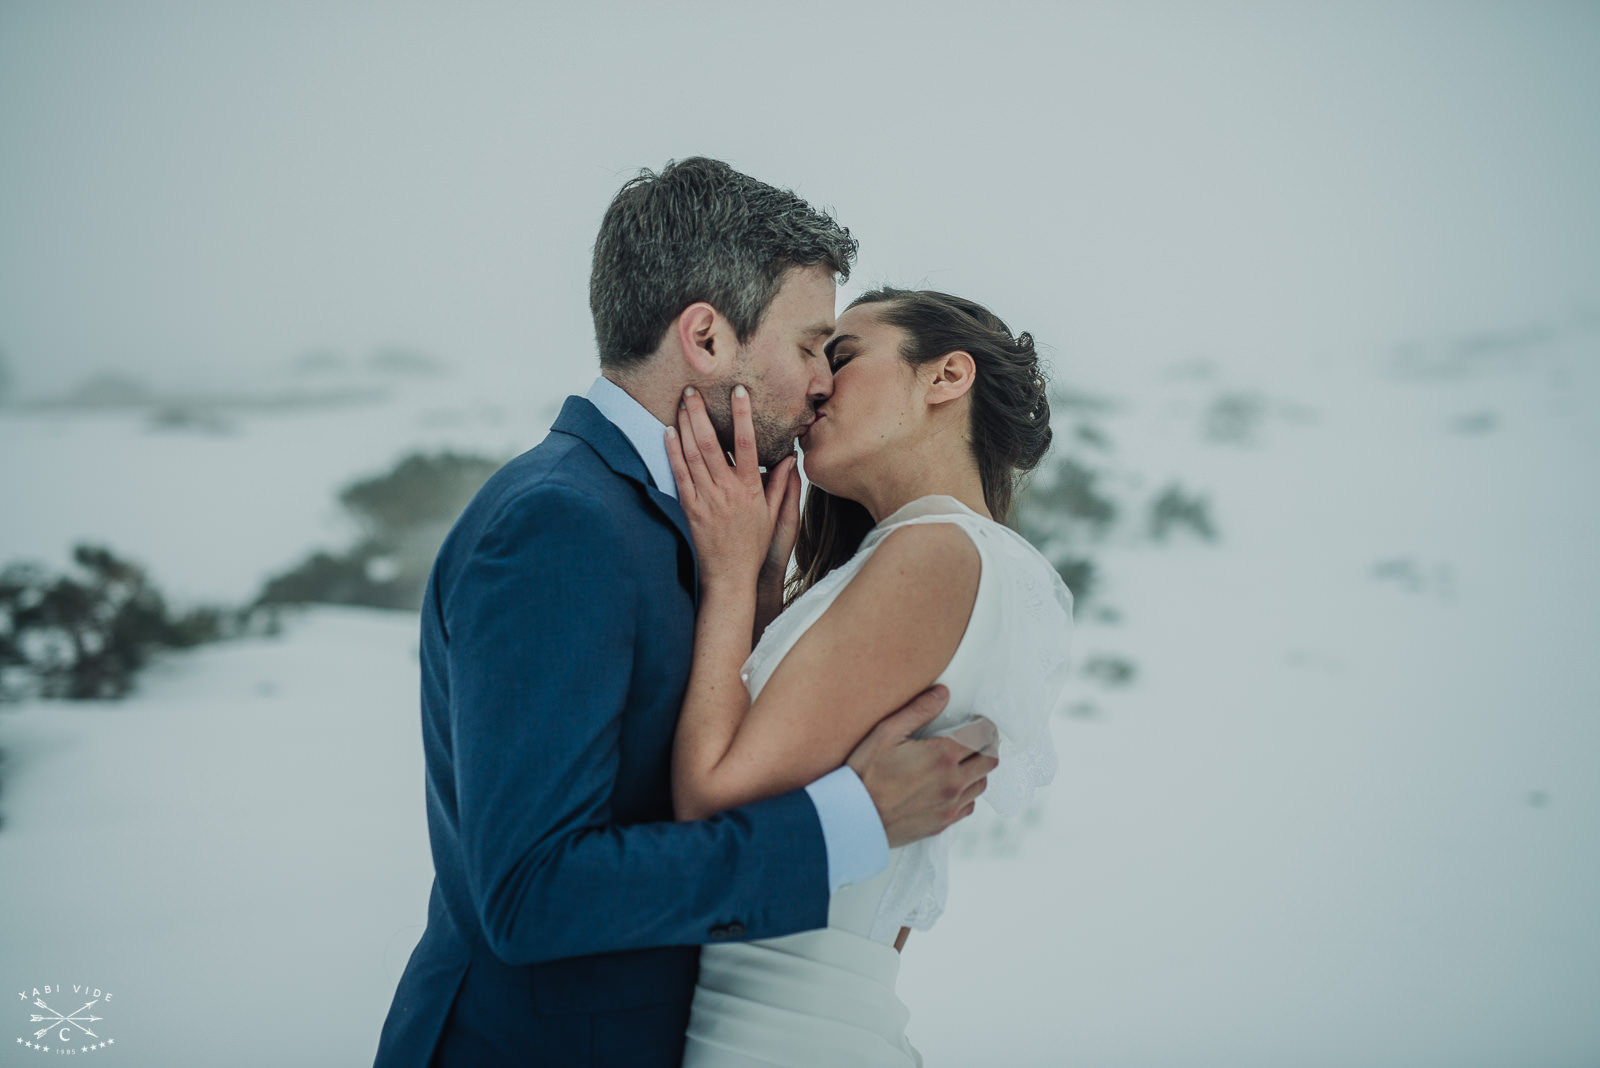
(826, 997)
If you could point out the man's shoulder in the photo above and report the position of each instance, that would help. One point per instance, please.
(559, 462)
(557, 499)
(561, 476)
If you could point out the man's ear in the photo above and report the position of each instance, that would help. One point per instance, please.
(704, 338)
(953, 376)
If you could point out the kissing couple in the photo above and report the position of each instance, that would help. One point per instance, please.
(686, 799)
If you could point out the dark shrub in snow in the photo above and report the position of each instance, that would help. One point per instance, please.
(85, 634)
(1174, 508)
(404, 516)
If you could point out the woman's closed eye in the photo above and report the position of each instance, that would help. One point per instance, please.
(839, 350)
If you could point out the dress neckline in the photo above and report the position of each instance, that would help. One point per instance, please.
(932, 504)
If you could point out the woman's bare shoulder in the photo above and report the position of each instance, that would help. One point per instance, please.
(922, 574)
(926, 550)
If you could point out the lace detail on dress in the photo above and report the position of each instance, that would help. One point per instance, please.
(1010, 668)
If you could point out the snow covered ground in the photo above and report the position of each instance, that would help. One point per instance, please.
(1345, 813)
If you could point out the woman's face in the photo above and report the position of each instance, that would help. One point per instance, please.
(872, 409)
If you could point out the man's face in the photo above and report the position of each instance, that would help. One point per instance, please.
(782, 366)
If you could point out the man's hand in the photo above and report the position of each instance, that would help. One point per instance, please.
(921, 786)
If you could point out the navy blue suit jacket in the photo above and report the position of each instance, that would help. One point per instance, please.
(567, 906)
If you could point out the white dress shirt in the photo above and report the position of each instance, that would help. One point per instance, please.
(857, 847)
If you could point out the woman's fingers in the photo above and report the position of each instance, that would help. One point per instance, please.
(731, 512)
(790, 513)
(693, 459)
(705, 435)
(778, 485)
(744, 437)
(787, 527)
(680, 465)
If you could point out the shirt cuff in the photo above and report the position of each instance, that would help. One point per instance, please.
(857, 846)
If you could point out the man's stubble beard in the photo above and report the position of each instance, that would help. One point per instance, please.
(774, 439)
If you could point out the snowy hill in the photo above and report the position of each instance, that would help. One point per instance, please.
(1343, 812)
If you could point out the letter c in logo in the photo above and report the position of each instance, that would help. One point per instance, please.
(64, 1035)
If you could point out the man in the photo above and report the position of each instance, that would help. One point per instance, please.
(568, 906)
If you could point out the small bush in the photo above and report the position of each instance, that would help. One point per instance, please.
(1060, 511)
(422, 491)
(1233, 418)
(1067, 493)
(1174, 508)
(359, 577)
(404, 516)
(1111, 671)
(1066, 511)
(1081, 577)
(85, 635)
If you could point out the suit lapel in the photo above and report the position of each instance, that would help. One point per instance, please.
(583, 420)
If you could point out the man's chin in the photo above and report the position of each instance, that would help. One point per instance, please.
(771, 455)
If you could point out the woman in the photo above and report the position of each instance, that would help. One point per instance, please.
(905, 577)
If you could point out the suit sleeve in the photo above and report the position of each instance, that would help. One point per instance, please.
(541, 626)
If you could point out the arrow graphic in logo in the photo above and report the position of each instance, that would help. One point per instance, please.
(60, 1019)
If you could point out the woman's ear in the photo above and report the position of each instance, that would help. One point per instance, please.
(953, 376)
(704, 338)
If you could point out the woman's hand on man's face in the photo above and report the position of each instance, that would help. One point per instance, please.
(732, 514)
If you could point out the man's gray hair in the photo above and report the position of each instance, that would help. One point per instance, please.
(700, 231)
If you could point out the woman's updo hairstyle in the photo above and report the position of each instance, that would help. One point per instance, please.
(1010, 414)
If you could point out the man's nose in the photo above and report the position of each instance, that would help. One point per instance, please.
(822, 383)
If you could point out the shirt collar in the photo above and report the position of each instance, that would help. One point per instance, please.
(644, 432)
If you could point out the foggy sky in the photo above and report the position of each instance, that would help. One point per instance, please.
(192, 189)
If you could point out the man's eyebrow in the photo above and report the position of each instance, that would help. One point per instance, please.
(833, 343)
(818, 330)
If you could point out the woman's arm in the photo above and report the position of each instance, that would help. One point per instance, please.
(886, 638)
(769, 589)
